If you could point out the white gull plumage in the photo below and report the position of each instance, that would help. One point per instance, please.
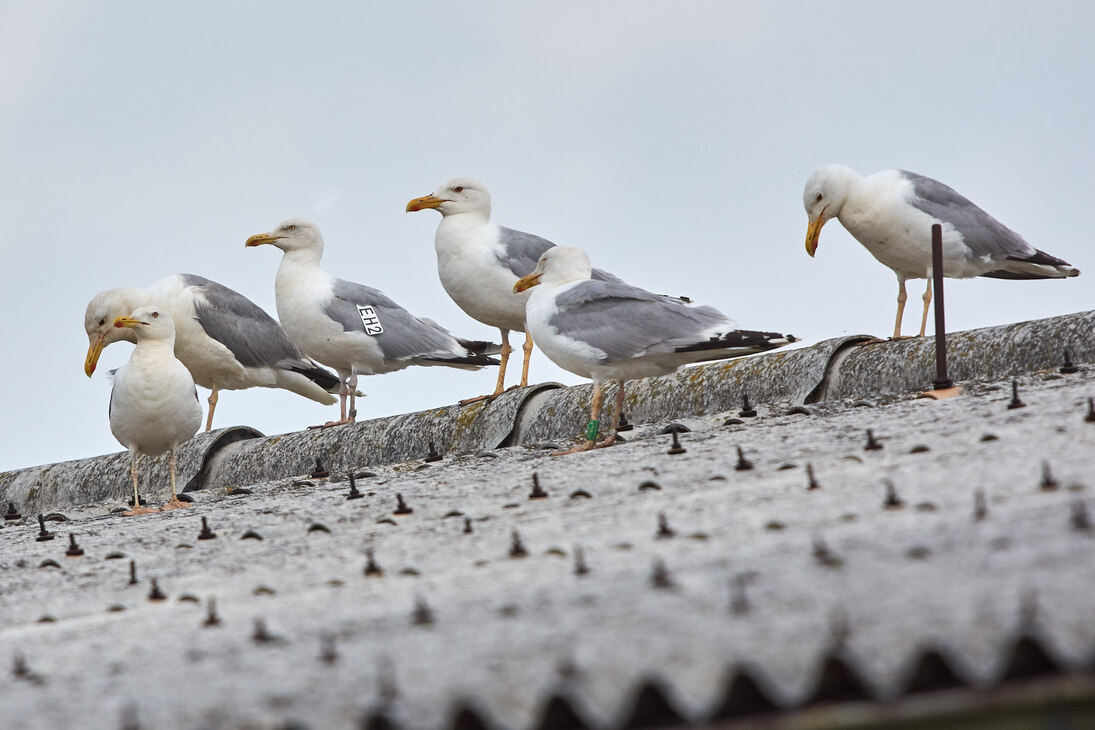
(355, 329)
(226, 341)
(891, 213)
(153, 405)
(479, 262)
(610, 330)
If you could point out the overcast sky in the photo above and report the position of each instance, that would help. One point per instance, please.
(670, 140)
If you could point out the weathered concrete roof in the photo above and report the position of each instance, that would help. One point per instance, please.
(817, 595)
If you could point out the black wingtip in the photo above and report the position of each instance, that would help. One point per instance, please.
(480, 347)
(320, 376)
(470, 360)
(1055, 268)
(748, 341)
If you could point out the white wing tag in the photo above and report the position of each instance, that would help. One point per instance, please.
(370, 319)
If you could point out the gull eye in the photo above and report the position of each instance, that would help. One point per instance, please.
(458, 189)
(155, 315)
(818, 198)
(291, 227)
(102, 322)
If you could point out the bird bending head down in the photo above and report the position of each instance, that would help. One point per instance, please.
(892, 213)
(610, 330)
(225, 340)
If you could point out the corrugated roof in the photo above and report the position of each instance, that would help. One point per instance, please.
(945, 573)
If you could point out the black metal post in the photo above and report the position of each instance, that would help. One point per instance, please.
(942, 382)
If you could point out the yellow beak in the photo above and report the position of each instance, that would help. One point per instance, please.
(93, 353)
(127, 322)
(424, 203)
(526, 282)
(812, 233)
(260, 238)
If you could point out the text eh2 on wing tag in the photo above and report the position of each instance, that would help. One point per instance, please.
(370, 320)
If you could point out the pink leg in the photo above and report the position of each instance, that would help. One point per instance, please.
(589, 443)
(212, 407)
(500, 386)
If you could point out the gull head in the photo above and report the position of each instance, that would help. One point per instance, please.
(295, 234)
(823, 197)
(99, 317)
(558, 265)
(149, 323)
(459, 195)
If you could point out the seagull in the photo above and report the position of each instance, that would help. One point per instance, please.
(607, 330)
(226, 341)
(355, 329)
(479, 262)
(891, 213)
(153, 405)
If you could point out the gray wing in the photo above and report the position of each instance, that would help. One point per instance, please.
(623, 320)
(404, 335)
(983, 234)
(522, 251)
(252, 335)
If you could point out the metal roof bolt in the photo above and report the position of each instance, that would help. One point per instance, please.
(659, 576)
(1068, 367)
(261, 635)
(12, 513)
(664, 530)
(892, 501)
(1015, 402)
(156, 594)
(211, 617)
(132, 573)
(401, 507)
(516, 547)
(422, 614)
(467, 526)
(354, 492)
(872, 444)
(739, 601)
(823, 555)
(328, 654)
(74, 550)
(980, 506)
(432, 454)
(320, 472)
(676, 448)
(812, 483)
(1080, 519)
(1048, 483)
(206, 533)
(743, 463)
(580, 566)
(537, 491)
(747, 411)
(371, 568)
(21, 671)
(624, 425)
(43, 533)
(1090, 417)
